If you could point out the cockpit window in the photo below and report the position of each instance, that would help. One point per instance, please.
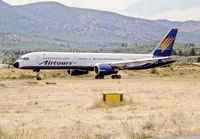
(24, 58)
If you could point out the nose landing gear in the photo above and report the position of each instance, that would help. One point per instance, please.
(37, 74)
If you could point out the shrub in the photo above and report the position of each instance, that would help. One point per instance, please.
(132, 133)
(148, 126)
(23, 76)
(11, 60)
(154, 71)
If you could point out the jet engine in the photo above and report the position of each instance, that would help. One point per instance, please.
(105, 70)
(75, 72)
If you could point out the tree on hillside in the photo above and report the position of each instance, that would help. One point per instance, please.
(124, 45)
(189, 45)
(198, 59)
(11, 60)
(192, 52)
(180, 53)
(174, 52)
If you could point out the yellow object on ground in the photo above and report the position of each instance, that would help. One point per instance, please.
(113, 97)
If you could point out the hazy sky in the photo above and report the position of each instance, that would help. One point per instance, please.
(176, 10)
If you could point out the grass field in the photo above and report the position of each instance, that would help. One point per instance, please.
(157, 103)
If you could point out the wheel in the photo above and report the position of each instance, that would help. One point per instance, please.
(99, 77)
(119, 76)
(113, 77)
(116, 76)
(39, 78)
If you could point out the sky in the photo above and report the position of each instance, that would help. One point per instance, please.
(175, 10)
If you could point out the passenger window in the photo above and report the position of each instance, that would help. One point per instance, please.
(26, 58)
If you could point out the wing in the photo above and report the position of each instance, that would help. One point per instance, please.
(135, 63)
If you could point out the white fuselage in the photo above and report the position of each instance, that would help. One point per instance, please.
(67, 60)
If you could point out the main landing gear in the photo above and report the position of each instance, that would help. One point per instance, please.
(116, 77)
(112, 77)
(99, 77)
(37, 74)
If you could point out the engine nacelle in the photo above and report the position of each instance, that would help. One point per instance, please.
(75, 72)
(105, 70)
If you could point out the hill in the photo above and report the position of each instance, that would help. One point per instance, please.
(53, 26)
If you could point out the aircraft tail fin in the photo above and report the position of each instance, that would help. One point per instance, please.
(165, 46)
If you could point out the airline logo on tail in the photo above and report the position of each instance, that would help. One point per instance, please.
(165, 43)
(165, 46)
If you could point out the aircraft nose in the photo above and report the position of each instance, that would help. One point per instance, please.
(16, 64)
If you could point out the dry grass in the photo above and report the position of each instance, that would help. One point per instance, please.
(155, 105)
(171, 71)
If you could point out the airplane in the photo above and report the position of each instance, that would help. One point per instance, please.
(101, 63)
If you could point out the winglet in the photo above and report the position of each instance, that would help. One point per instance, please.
(165, 46)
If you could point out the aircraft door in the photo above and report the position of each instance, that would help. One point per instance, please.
(74, 61)
(39, 58)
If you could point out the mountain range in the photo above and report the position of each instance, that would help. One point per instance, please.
(55, 25)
